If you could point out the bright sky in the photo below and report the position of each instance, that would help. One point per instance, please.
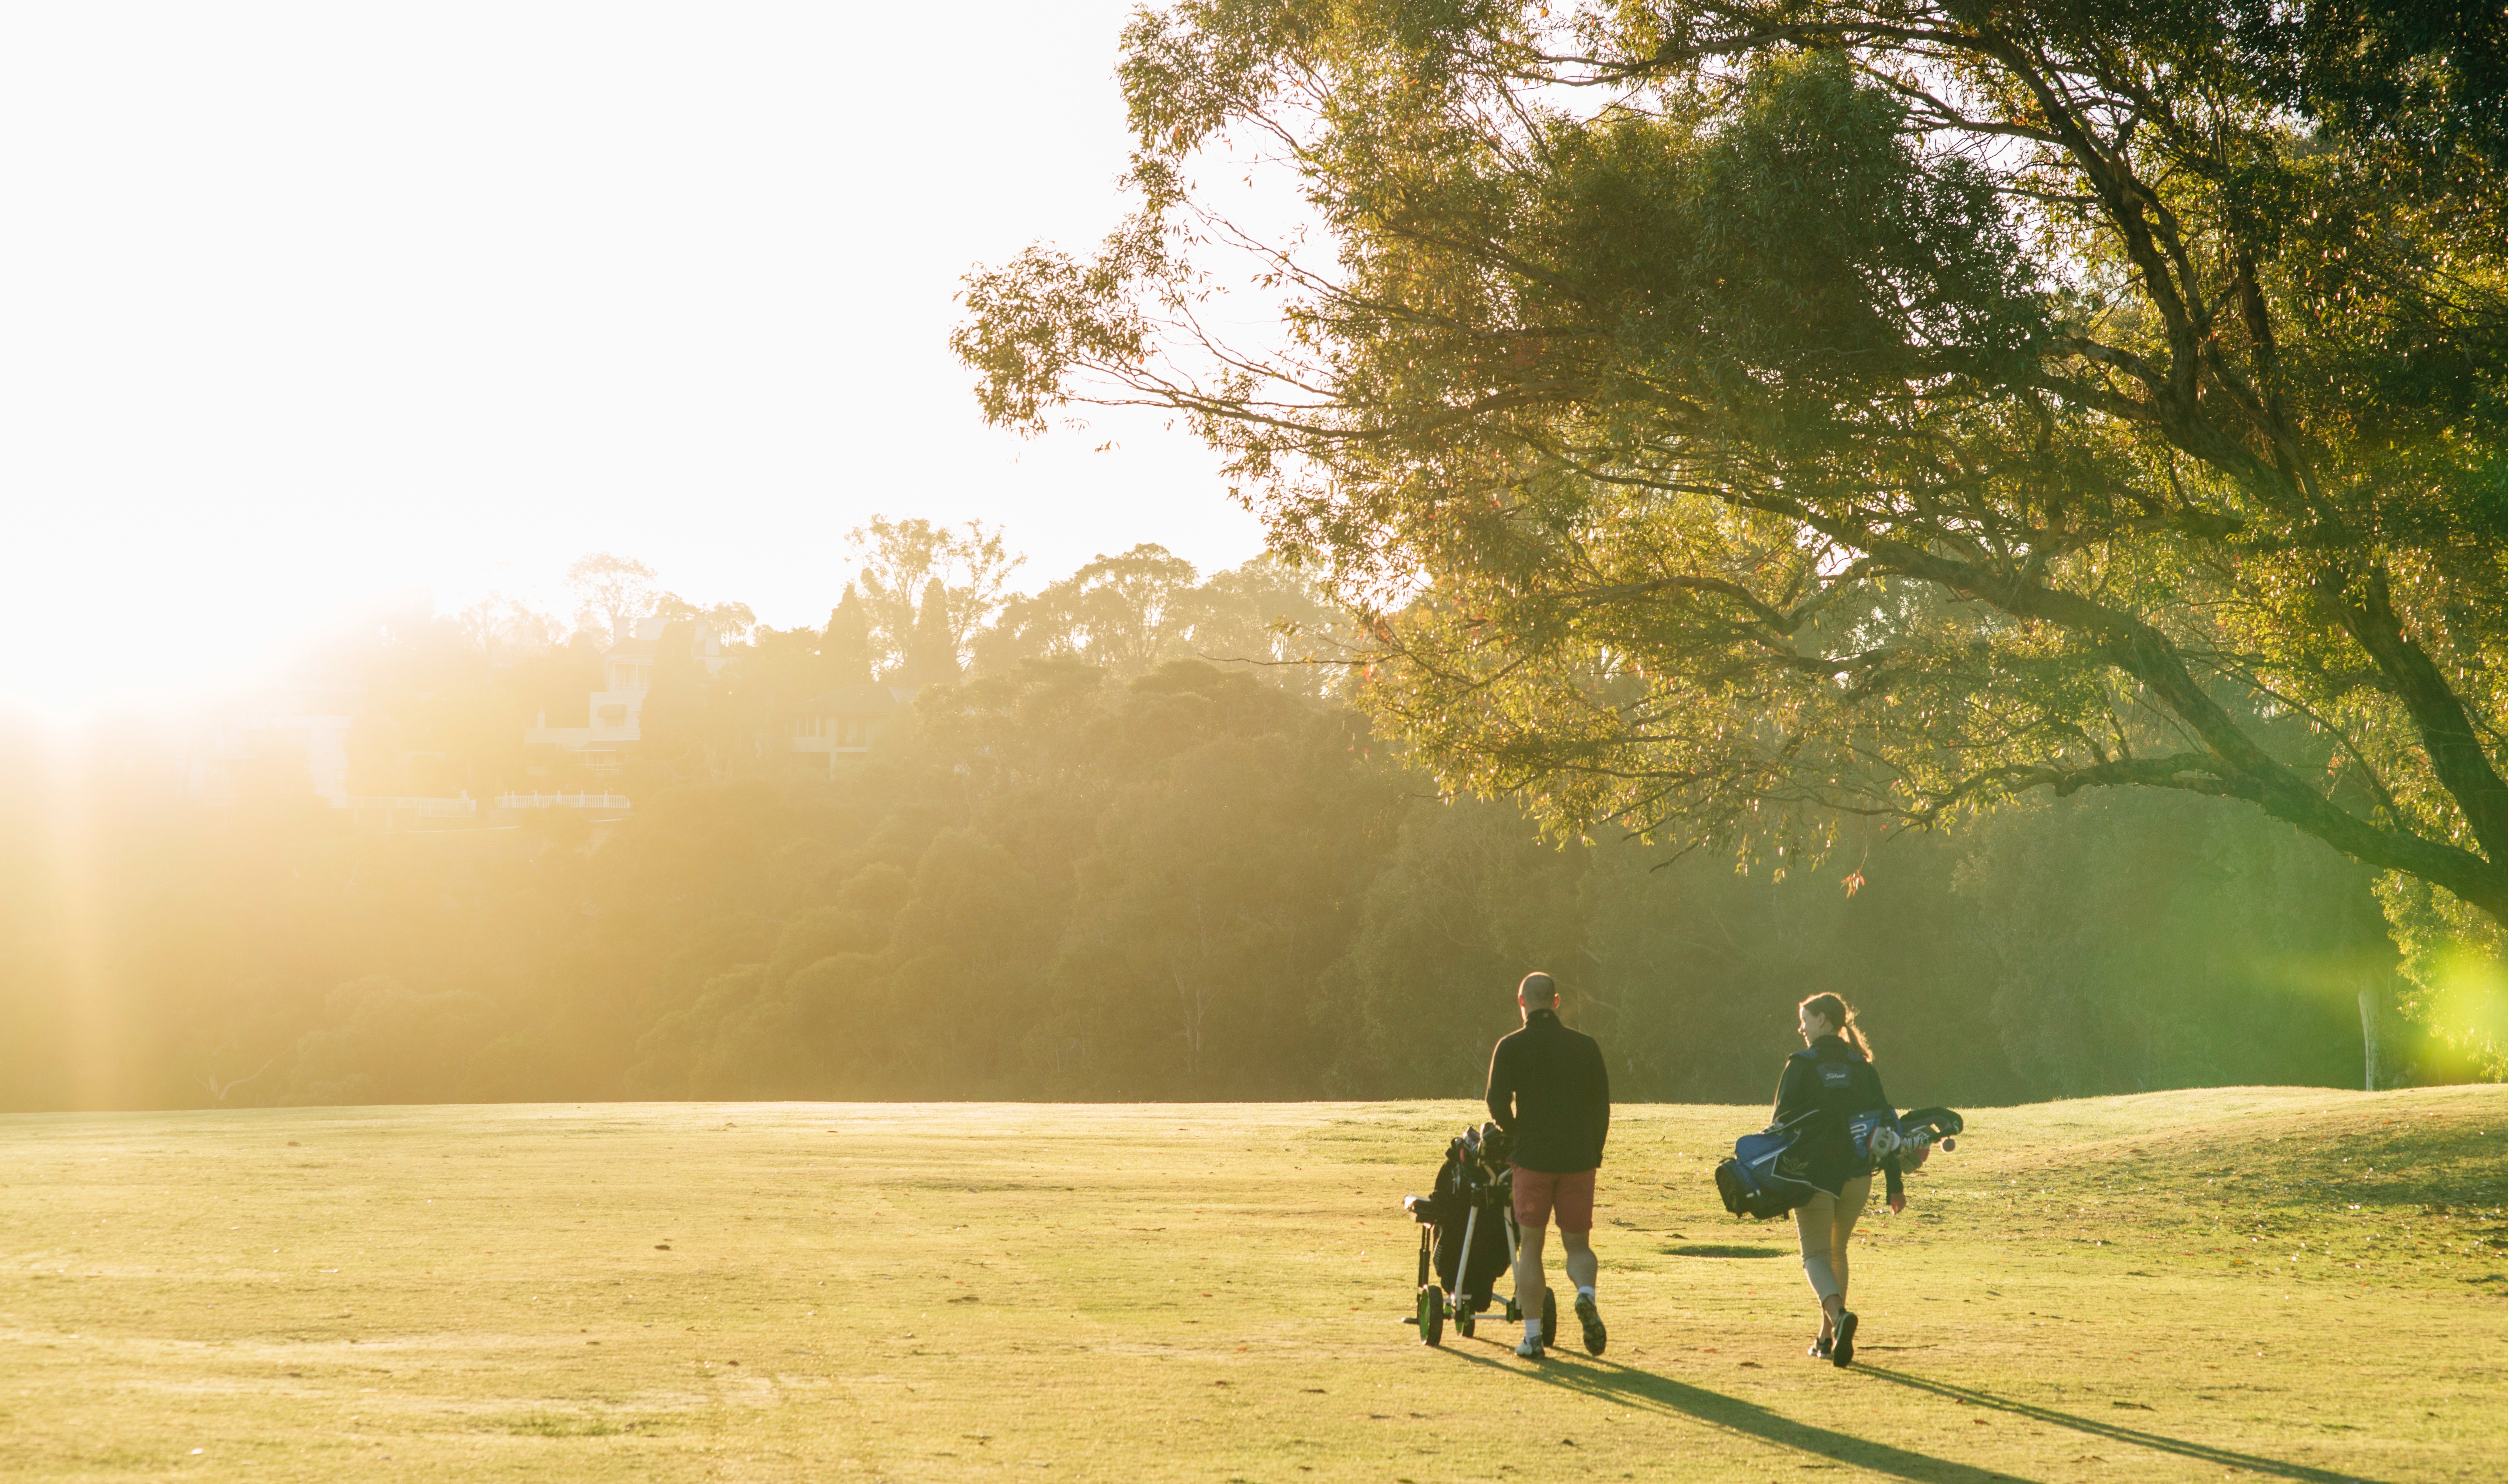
(303, 307)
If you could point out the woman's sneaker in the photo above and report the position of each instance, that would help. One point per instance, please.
(1842, 1352)
(1818, 1348)
(1592, 1319)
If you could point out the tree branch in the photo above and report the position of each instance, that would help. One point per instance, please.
(2245, 769)
(2446, 731)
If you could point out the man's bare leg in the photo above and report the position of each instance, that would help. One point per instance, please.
(1582, 1265)
(1529, 1284)
(1582, 1268)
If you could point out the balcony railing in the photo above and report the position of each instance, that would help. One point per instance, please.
(422, 808)
(562, 801)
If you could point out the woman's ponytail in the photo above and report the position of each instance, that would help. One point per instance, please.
(1837, 1012)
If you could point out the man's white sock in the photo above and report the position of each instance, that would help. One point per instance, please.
(1586, 1293)
(1533, 1327)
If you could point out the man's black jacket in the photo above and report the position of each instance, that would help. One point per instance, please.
(1548, 1090)
(1833, 1076)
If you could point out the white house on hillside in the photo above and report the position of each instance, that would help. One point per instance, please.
(843, 722)
(627, 668)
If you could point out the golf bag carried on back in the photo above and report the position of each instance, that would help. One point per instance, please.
(1771, 1171)
(1815, 1153)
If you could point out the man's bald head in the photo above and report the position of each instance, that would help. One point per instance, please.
(1539, 990)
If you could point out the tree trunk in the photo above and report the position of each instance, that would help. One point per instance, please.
(2368, 998)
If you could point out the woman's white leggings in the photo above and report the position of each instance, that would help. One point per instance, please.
(1826, 1224)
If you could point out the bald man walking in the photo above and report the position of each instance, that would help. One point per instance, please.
(1548, 1090)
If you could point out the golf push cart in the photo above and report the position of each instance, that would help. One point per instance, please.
(1467, 1235)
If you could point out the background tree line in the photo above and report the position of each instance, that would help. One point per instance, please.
(1097, 865)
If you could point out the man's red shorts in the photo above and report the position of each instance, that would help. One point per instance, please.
(1540, 1195)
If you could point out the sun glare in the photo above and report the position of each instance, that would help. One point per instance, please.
(164, 657)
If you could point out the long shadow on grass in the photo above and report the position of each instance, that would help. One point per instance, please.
(1645, 1391)
(2202, 1452)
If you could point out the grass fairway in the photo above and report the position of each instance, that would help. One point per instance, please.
(2286, 1284)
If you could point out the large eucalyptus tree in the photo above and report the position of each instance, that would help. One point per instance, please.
(1733, 416)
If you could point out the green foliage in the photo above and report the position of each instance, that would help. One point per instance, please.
(1122, 613)
(1197, 881)
(611, 592)
(1732, 420)
(2429, 74)
(844, 650)
(2251, 947)
(1468, 895)
(2455, 958)
(930, 653)
(380, 1043)
(1194, 885)
(730, 622)
(1220, 890)
(902, 561)
(1129, 614)
(2114, 942)
(680, 732)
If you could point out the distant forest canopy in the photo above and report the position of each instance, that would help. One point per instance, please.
(1107, 854)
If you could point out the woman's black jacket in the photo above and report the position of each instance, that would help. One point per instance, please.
(1834, 1077)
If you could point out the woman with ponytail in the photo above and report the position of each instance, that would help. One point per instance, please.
(1834, 1073)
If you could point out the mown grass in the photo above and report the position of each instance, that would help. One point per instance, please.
(2284, 1284)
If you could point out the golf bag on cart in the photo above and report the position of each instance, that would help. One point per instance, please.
(1468, 1237)
(1815, 1153)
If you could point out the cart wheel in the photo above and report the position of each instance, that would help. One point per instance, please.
(1432, 1313)
(1463, 1318)
(1549, 1317)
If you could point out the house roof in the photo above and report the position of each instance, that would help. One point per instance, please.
(856, 701)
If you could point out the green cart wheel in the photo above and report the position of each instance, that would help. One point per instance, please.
(1432, 1313)
(1549, 1317)
(1463, 1318)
